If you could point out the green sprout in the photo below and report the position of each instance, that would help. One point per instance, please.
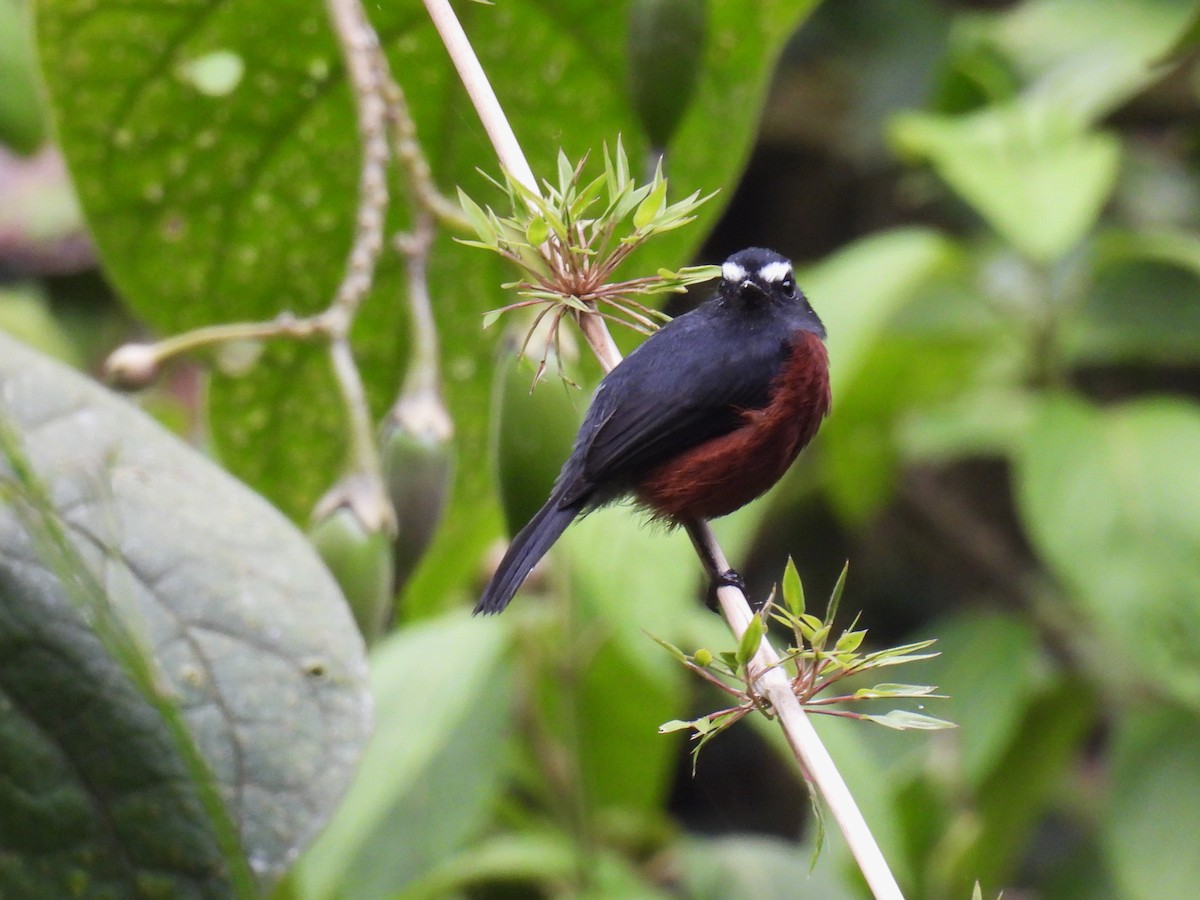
(815, 664)
(569, 243)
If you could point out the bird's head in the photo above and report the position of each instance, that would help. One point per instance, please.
(757, 278)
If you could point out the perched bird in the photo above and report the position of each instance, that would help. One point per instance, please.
(702, 418)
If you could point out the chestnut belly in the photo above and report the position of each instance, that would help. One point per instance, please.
(721, 475)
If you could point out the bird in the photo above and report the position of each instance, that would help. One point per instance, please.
(700, 419)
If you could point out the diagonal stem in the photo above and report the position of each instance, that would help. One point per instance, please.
(772, 681)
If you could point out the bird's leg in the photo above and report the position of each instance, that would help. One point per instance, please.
(708, 556)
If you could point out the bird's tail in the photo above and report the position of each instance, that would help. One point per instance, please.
(529, 545)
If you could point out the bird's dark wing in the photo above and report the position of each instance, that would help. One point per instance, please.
(681, 388)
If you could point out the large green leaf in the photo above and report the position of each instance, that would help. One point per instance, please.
(1144, 303)
(630, 583)
(182, 689)
(753, 867)
(213, 145)
(1025, 784)
(991, 669)
(1149, 827)
(433, 768)
(1035, 167)
(859, 292)
(1112, 503)
(1031, 173)
(1088, 57)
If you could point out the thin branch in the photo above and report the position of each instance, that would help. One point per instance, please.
(772, 681)
(423, 371)
(360, 48)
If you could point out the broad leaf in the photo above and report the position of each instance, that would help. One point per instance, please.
(1112, 503)
(182, 689)
(214, 149)
(1149, 828)
(434, 766)
(1036, 179)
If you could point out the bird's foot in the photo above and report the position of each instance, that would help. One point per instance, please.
(731, 578)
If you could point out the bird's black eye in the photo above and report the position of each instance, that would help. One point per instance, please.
(789, 283)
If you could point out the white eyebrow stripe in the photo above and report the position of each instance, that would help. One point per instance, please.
(775, 271)
(731, 271)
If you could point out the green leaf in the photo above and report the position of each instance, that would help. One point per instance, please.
(670, 648)
(443, 722)
(649, 209)
(478, 218)
(1027, 783)
(566, 173)
(537, 232)
(1147, 828)
(1038, 181)
(535, 855)
(665, 37)
(988, 709)
(1144, 304)
(793, 589)
(1112, 504)
(895, 690)
(860, 292)
(218, 208)
(849, 641)
(1087, 58)
(835, 596)
(754, 867)
(624, 761)
(749, 641)
(181, 673)
(906, 720)
(587, 196)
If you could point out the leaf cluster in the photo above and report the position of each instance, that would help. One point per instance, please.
(814, 662)
(569, 240)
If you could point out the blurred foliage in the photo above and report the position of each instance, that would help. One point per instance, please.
(995, 209)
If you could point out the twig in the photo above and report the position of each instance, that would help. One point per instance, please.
(360, 48)
(772, 681)
(423, 372)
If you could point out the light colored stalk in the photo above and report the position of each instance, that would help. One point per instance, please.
(360, 50)
(773, 683)
(772, 680)
(479, 89)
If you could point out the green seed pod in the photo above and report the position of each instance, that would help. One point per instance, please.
(359, 557)
(666, 51)
(417, 453)
(532, 434)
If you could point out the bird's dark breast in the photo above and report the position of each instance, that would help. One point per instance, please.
(725, 473)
